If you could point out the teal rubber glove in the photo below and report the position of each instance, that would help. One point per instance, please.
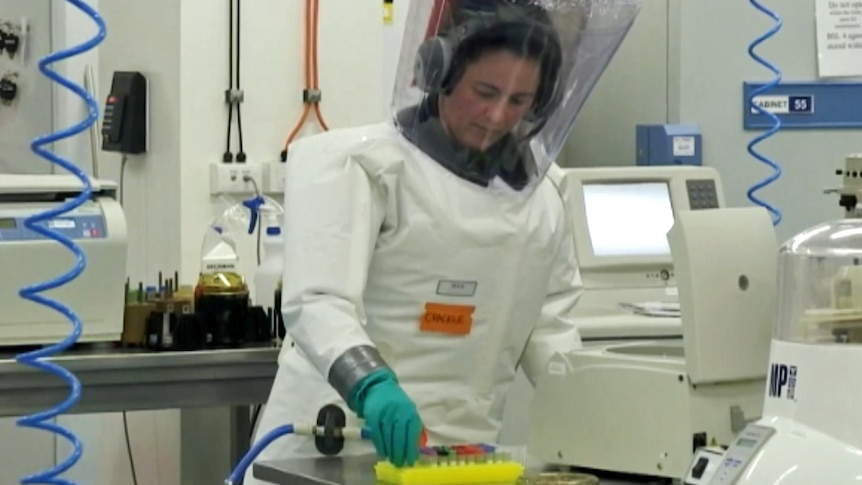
(390, 415)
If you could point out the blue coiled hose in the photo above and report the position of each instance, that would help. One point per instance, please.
(776, 122)
(38, 223)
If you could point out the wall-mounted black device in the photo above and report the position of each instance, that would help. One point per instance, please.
(124, 125)
(8, 88)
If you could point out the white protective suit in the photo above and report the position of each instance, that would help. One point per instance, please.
(384, 244)
(375, 236)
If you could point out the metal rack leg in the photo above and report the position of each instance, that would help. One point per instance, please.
(212, 441)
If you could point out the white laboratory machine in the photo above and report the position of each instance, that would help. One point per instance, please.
(645, 407)
(621, 216)
(97, 296)
(811, 427)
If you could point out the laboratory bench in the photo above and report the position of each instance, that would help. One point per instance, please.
(359, 470)
(213, 389)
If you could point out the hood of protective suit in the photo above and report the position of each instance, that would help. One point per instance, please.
(422, 126)
(489, 117)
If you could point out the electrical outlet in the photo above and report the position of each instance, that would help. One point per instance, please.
(229, 178)
(274, 173)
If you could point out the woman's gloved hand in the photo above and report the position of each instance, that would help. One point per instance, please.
(390, 415)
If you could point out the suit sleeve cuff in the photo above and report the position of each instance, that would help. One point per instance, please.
(352, 366)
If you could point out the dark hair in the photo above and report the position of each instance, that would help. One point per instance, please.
(529, 39)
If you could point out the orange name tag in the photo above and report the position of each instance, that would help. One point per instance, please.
(451, 319)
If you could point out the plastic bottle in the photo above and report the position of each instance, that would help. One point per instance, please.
(268, 274)
(218, 254)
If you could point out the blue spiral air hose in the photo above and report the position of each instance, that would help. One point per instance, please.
(38, 223)
(776, 122)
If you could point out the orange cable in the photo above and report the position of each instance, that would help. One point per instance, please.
(316, 24)
(307, 73)
(308, 45)
(311, 70)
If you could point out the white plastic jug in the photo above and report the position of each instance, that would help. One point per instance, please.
(268, 274)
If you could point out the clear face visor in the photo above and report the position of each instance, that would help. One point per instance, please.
(491, 88)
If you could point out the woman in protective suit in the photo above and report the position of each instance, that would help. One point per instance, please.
(428, 258)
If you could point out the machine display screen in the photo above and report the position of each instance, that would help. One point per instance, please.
(8, 223)
(628, 219)
(747, 443)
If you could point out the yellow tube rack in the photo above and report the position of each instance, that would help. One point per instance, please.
(458, 465)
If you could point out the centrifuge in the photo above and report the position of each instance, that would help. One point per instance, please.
(98, 227)
(810, 431)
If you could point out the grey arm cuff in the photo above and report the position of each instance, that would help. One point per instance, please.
(352, 366)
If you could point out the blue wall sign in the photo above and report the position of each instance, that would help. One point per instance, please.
(811, 106)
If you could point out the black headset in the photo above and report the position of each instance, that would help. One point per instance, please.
(436, 68)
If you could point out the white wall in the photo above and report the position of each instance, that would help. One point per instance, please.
(713, 63)
(683, 64)
(631, 91)
(182, 48)
(29, 115)
(350, 62)
(71, 27)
